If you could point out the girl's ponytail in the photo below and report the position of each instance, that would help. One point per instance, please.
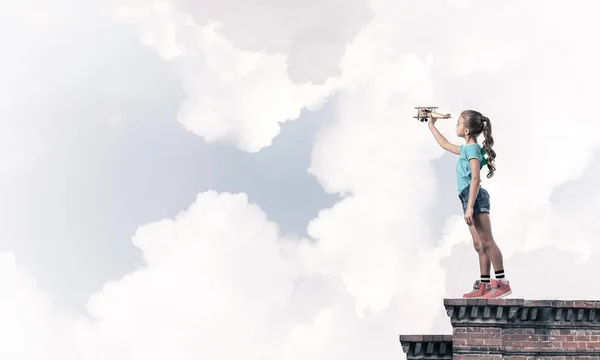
(488, 143)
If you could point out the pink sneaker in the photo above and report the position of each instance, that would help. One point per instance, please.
(498, 290)
(479, 289)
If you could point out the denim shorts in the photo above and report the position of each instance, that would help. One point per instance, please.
(481, 204)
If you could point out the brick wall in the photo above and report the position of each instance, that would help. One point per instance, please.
(516, 329)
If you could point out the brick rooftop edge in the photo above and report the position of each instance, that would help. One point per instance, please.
(427, 346)
(518, 312)
(513, 329)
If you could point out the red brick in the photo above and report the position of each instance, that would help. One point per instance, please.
(568, 345)
(516, 337)
(567, 331)
(493, 342)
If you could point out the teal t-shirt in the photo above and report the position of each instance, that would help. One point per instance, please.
(463, 167)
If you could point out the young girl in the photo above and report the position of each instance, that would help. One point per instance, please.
(475, 199)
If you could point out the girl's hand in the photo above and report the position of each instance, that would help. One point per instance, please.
(469, 216)
(432, 119)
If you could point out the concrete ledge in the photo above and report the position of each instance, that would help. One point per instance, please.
(438, 347)
(549, 314)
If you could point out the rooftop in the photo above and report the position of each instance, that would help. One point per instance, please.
(495, 328)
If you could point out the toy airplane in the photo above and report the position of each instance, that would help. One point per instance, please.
(424, 111)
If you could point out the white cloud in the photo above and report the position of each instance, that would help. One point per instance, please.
(311, 34)
(218, 271)
(19, 140)
(18, 145)
(459, 4)
(31, 328)
(238, 95)
(212, 274)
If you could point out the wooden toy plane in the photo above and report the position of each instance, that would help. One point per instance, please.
(424, 111)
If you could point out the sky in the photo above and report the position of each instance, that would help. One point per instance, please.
(228, 179)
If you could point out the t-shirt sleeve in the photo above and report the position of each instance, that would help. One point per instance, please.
(473, 152)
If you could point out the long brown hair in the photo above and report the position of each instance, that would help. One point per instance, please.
(477, 124)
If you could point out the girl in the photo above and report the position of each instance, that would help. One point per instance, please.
(475, 199)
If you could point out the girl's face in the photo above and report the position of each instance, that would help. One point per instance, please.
(461, 127)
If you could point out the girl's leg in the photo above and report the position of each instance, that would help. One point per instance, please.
(480, 287)
(501, 287)
(484, 229)
(484, 260)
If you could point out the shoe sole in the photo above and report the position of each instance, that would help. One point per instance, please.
(474, 297)
(501, 296)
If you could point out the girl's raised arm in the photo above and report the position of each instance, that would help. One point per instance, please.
(444, 143)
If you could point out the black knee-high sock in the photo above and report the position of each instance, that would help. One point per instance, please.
(500, 274)
(485, 279)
